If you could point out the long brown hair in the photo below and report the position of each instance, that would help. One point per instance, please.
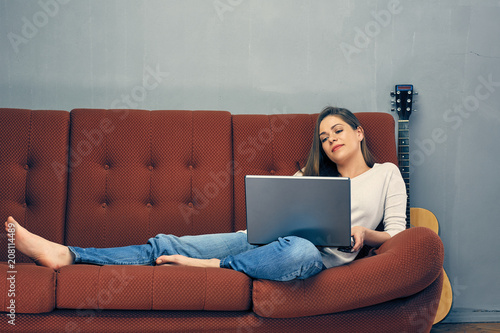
(318, 164)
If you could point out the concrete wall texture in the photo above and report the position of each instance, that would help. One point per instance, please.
(294, 56)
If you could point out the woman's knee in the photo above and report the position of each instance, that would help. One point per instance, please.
(157, 238)
(302, 248)
(303, 257)
(161, 241)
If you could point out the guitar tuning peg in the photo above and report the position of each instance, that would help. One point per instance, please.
(414, 110)
(392, 93)
(415, 93)
(392, 109)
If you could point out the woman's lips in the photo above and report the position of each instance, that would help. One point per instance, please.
(336, 147)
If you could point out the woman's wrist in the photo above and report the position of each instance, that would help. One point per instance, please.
(364, 236)
(375, 238)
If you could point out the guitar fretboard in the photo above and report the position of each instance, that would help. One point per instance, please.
(404, 160)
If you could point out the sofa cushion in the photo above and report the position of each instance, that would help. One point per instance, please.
(267, 145)
(152, 288)
(279, 145)
(137, 173)
(380, 135)
(404, 265)
(27, 288)
(33, 172)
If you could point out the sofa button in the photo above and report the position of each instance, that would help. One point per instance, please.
(272, 172)
(24, 205)
(190, 205)
(190, 167)
(106, 167)
(149, 205)
(26, 167)
(150, 168)
(104, 205)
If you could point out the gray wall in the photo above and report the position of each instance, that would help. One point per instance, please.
(250, 56)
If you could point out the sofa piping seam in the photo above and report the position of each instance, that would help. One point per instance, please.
(98, 286)
(105, 183)
(28, 149)
(191, 162)
(153, 288)
(151, 171)
(206, 287)
(273, 164)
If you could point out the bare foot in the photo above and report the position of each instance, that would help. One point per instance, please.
(42, 251)
(180, 260)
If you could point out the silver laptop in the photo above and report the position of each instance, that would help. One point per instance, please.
(315, 208)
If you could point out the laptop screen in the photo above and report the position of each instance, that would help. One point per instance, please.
(314, 208)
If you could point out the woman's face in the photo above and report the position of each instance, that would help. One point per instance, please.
(339, 140)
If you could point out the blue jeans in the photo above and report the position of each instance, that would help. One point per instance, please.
(286, 259)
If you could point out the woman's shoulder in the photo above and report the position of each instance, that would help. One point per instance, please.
(386, 167)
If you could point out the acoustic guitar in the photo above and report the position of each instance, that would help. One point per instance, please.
(403, 95)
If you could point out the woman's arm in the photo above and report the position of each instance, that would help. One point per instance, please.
(394, 205)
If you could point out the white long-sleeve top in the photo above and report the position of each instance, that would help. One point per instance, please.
(378, 194)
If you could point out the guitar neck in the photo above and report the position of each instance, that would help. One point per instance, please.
(404, 160)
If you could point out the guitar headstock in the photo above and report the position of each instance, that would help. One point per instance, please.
(403, 100)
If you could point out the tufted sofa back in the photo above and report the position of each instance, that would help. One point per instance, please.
(136, 173)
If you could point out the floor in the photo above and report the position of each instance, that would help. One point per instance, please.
(472, 327)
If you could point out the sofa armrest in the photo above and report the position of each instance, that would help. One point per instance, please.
(26, 289)
(404, 265)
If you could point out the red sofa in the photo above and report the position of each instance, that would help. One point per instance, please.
(106, 178)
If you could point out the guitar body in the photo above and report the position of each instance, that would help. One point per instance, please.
(416, 217)
(421, 217)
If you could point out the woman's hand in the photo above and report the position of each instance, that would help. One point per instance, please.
(359, 234)
(367, 236)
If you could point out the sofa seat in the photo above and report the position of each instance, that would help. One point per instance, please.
(32, 288)
(152, 288)
(410, 314)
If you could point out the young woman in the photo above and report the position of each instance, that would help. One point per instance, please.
(378, 193)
